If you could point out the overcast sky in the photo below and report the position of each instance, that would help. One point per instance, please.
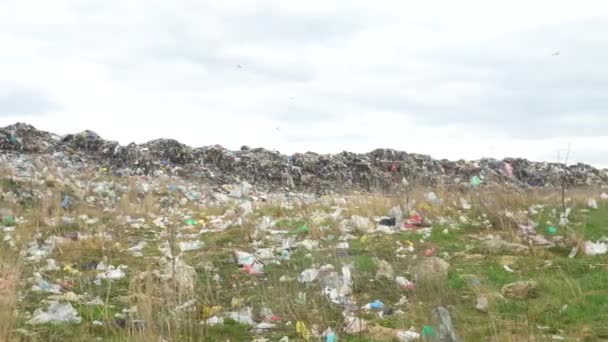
(453, 79)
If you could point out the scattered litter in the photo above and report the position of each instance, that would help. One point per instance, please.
(57, 313)
(390, 222)
(443, 320)
(375, 305)
(595, 248)
(244, 316)
(407, 335)
(187, 246)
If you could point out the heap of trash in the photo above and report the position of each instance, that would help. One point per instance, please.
(377, 170)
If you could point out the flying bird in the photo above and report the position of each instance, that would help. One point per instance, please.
(555, 54)
(239, 66)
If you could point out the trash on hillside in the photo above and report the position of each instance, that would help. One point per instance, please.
(66, 202)
(308, 276)
(407, 335)
(551, 230)
(244, 316)
(57, 313)
(375, 305)
(476, 181)
(414, 221)
(330, 335)
(8, 220)
(405, 284)
(595, 248)
(42, 285)
(443, 320)
(303, 331)
(591, 203)
(390, 222)
(187, 246)
(249, 263)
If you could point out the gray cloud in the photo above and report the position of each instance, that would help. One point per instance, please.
(25, 101)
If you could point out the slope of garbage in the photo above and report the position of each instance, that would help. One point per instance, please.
(379, 170)
(154, 243)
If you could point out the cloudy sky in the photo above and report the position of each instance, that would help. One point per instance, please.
(453, 79)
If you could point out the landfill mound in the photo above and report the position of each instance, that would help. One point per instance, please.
(378, 170)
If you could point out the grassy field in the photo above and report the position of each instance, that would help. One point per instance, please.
(169, 295)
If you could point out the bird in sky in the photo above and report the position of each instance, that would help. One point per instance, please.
(555, 54)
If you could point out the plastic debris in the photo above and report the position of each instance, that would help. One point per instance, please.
(413, 221)
(308, 276)
(592, 203)
(407, 335)
(8, 220)
(57, 313)
(303, 331)
(390, 222)
(405, 284)
(66, 202)
(244, 316)
(42, 285)
(595, 248)
(187, 246)
(112, 273)
(375, 305)
(330, 335)
(551, 230)
(482, 303)
(443, 320)
(428, 333)
(475, 181)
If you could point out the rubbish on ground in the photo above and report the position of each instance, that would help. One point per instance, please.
(475, 181)
(405, 284)
(375, 305)
(414, 221)
(592, 203)
(8, 220)
(390, 222)
(187, 246)
(244, 316)
(428, 333)
(56, 313)
(595, 248)
(443, 320)
(308, 276)
(482, 303)
(66, 202)
(551, 230)
(407, 335)
(303, 331)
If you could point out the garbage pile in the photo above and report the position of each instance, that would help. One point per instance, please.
(378, 170)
